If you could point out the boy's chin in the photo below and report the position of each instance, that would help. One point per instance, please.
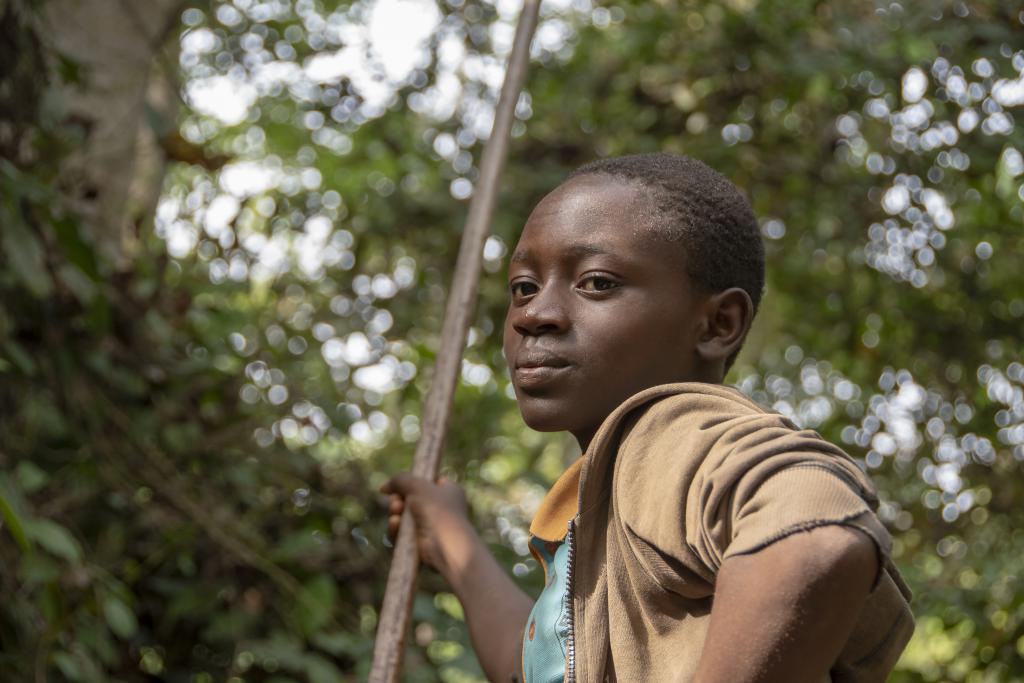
(548, 416)
(540, 422)
(542, 415)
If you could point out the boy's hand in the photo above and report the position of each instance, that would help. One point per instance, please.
(441, 514)
(496, 609)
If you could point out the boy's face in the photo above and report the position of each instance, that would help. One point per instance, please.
(601, 307)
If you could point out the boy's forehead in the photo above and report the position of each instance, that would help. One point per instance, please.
(598, 194)
(582, 208)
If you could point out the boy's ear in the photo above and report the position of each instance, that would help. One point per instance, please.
(728, 315)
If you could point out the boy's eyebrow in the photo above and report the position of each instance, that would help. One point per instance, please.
(575, 250)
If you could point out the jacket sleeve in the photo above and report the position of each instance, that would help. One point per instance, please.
(796, 498)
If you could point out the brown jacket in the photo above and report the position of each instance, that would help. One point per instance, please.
(679, 478)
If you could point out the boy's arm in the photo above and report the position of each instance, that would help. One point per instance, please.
(785, 612)
(496, 609)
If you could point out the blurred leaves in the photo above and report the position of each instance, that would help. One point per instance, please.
(120, 618)
(26, 254)
(54, 538)
(12, 521)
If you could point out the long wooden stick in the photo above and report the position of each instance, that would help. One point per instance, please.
(394, 617)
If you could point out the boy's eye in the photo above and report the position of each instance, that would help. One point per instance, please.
(597, 283)
(522, 288)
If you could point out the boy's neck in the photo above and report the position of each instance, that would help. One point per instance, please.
(583, 438)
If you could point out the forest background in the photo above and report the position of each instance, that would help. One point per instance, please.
(227, 233)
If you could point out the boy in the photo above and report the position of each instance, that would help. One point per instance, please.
(699, 537)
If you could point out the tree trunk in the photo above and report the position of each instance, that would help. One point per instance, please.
(125, 92)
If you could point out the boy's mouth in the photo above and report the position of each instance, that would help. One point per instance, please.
(537, 369)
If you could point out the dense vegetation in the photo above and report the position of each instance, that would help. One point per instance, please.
(217, 317)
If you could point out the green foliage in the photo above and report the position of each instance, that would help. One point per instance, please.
(192, 442)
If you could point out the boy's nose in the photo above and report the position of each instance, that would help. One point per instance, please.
(543, 314)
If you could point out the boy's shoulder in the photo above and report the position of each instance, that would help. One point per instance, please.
(702, 457)
(698, 404)
(706, 421)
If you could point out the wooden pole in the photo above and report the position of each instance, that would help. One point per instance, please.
(394, 616)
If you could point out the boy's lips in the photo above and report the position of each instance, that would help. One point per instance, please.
(534, 369)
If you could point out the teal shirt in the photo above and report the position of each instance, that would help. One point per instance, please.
(548, 628)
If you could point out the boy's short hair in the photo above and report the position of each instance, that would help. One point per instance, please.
(703, 210)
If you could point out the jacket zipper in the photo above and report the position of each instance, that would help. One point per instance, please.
(571, 641)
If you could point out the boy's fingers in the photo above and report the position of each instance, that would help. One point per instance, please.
(396, 504)
(403, 484)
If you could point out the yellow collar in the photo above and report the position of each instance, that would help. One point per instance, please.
(560, 505)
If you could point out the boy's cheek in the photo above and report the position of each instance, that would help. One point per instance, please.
(509, 343)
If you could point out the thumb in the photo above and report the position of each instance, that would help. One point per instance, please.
(404, 484)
